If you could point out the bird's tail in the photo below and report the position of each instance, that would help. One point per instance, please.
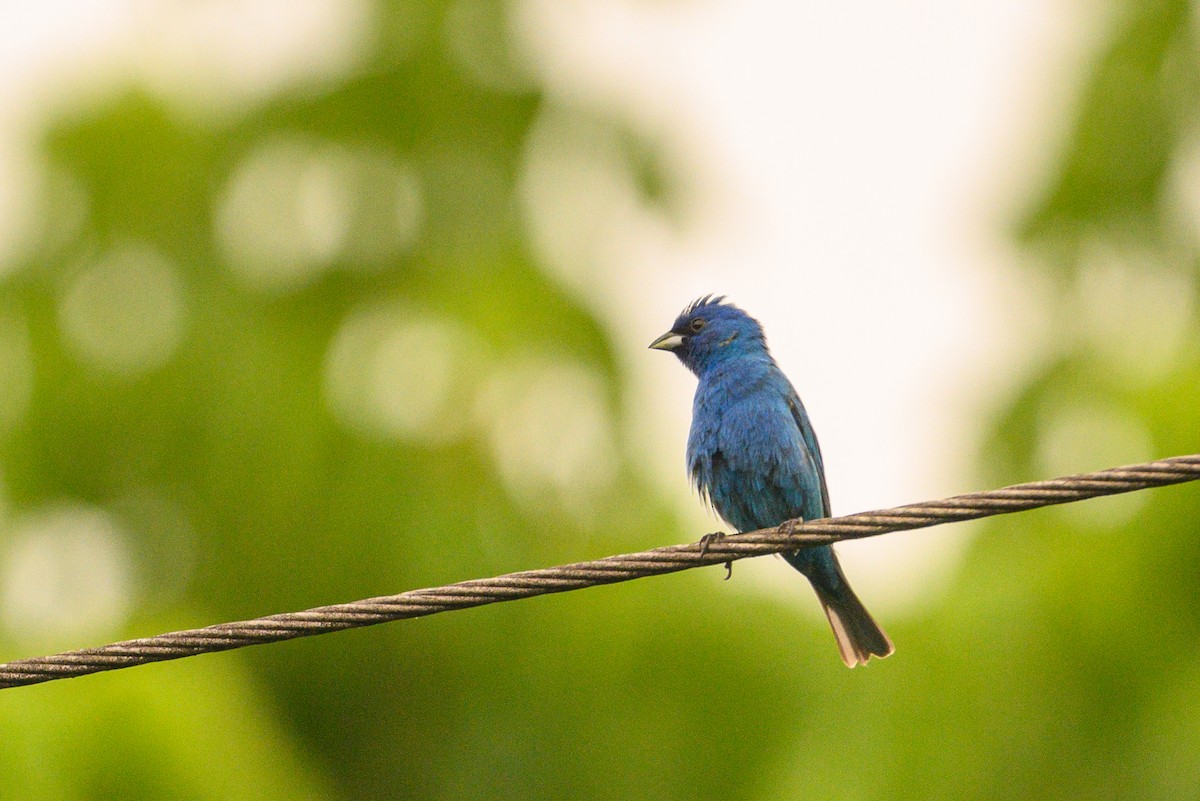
(859, 637)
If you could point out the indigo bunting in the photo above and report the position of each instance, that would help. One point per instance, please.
(753, 456)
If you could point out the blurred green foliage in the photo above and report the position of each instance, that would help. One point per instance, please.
(284, 359)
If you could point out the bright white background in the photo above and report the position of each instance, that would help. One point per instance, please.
(855, 171)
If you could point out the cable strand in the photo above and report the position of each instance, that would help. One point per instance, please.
(789, 536)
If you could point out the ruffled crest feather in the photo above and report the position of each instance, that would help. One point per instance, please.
(705, 300)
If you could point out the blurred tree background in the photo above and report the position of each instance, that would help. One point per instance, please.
(299, 350)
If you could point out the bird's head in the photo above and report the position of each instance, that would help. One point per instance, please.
(709, 332)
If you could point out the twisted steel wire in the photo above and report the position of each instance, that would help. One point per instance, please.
(789, 536)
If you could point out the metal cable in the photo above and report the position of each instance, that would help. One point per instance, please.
(478, 592)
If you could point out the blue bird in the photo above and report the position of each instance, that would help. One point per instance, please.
(753, 455)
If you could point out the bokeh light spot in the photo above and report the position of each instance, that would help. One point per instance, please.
(401, 372)
(1183, 186)
(17, 206)
(220, 56)
(1135, 312)
(283, 215)
(65, 575)
(551, 433)
(577, 193)
(1079, 435)
(294, 207)
(124, 312)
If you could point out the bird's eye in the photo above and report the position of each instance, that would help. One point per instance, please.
(696, 325)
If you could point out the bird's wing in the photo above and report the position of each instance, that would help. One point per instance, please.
(810, 443)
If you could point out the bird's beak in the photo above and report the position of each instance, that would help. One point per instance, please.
(668, 341)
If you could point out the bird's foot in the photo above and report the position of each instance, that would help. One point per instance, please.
(709, 539)
(788, 527)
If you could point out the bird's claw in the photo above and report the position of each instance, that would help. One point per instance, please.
(788, 527)
(709, 539)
